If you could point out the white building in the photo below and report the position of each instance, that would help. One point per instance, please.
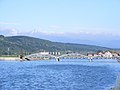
(107, 54)
(44, 53)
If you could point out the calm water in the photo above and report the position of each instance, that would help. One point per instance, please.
(69, 74)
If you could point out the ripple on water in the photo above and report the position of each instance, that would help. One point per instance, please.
(41, 75)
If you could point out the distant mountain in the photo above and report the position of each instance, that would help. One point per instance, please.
(114, 43)
(16, 45)
(98, 40)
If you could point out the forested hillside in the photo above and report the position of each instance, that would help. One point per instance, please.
(16, 45)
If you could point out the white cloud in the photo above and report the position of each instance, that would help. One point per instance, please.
(14, 31)
(8, 31)
(75, 33)
(8, 23)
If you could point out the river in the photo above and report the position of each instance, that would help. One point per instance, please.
(67, 74)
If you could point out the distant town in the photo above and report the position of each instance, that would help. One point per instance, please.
(30, 48)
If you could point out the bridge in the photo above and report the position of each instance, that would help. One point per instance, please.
(38, 56)
(73, 56)
(49, 56)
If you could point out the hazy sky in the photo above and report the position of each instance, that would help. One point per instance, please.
(61, 17)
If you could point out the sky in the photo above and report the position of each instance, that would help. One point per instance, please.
(77, 21)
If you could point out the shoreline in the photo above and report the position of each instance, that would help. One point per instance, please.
(18, 59)
(9, 58)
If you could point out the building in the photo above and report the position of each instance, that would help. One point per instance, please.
(107, 54)
(44, 53)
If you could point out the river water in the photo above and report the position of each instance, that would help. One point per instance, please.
(68, 74)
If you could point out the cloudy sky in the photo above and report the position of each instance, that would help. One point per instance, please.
(77, 21)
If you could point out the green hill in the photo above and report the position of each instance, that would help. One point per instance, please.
(16, 45)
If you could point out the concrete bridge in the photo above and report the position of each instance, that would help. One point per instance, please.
(38, 56)
(73, 56)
